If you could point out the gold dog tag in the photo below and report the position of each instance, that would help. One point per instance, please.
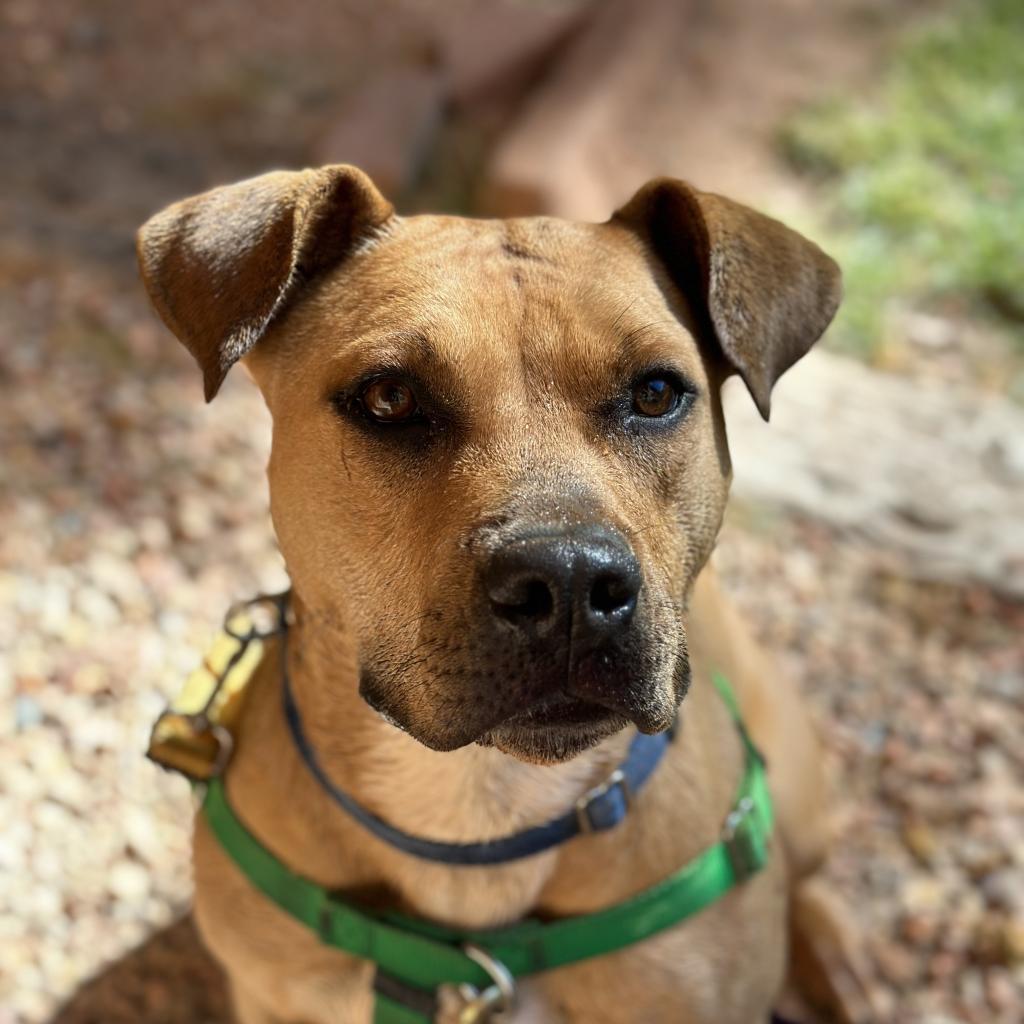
(194, 736)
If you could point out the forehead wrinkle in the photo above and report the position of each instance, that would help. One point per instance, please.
(518, 245)
(651, 342)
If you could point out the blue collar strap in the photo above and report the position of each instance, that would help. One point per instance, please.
(599, 809)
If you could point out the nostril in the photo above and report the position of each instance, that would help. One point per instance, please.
(531, 601)
(612, 593)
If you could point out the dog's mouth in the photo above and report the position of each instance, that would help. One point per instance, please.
(558, 728)
(563, 719)
(558, 711)
(555, 728)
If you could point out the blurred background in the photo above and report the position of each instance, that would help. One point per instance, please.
(876, 536)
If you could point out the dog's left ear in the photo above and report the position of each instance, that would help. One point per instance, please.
(763, 292)
(222, 266)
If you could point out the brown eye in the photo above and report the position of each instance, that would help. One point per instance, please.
(655, 396)
(388, 400)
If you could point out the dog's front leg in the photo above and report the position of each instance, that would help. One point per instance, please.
(247, 1008)
(279, 971)
(315, 1004)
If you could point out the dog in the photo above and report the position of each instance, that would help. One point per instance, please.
(498, 471)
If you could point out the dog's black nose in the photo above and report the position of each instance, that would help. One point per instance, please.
(585, 578)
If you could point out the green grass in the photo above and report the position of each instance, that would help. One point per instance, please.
(924, 177)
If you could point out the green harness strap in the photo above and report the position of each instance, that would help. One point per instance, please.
(422, 956)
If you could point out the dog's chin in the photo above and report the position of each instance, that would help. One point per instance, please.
(541, 740)
(531, 736)
(563, 726)
(553, 729)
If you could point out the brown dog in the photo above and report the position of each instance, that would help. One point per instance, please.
(499, 467)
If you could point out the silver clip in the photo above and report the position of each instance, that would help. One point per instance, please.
(739, 840)
(482, 1007)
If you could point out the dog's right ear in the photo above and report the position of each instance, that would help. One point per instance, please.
(221, 266)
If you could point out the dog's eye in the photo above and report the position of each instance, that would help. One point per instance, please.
(655, 396)
(389, 400)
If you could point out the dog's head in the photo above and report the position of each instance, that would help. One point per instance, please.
(499, 456)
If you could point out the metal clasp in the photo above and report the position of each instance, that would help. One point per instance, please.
(486, 1006)
(746, 853)
(265, 615)
(617, 778)
(198, 743)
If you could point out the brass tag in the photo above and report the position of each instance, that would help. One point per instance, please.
(194, 736)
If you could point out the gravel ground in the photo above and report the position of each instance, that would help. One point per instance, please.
(918, 691)
(130, 516)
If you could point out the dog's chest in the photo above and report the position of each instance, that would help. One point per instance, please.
(723, 966)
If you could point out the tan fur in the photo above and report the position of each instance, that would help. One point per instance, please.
(522, 329)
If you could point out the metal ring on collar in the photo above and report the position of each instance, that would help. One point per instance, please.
(498, 997)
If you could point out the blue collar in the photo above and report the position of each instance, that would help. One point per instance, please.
(599, 809)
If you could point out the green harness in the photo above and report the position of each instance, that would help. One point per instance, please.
(415, 958)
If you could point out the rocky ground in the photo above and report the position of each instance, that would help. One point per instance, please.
(130, 515)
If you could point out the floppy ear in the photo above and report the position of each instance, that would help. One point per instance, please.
(763, 292)
(221, 266)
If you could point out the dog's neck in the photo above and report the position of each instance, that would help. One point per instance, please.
(471, 794)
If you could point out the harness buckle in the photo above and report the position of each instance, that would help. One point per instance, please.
(743, 840)
(482, 1007)
(587, 823)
